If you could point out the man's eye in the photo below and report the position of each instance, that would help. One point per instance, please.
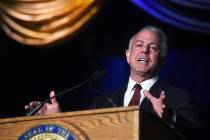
(154, 48)
(139, 45)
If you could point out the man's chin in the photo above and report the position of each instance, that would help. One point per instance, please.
(145, 72)
(142, 70)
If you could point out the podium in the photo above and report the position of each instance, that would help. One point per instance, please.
(121, 123)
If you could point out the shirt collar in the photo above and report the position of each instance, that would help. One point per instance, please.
(146, 85)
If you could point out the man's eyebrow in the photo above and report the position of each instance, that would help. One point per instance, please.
(153, 43)
(139, 41)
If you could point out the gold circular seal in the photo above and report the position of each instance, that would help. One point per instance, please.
(47, 136)
(48, 132)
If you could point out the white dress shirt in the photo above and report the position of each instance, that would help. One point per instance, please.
(146, 85)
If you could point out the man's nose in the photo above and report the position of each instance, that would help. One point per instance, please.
(145, 49)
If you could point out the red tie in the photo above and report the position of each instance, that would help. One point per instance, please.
(136, 96)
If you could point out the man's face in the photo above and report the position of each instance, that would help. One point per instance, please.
(144, 54)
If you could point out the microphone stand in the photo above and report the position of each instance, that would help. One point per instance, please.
(104, 94)
(95, 75)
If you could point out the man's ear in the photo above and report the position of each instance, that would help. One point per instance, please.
(127, 54)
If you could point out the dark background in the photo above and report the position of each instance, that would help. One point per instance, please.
(29, 73)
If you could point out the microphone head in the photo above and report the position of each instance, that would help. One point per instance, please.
(99, 73)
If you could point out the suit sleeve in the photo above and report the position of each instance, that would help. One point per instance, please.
(185, 114)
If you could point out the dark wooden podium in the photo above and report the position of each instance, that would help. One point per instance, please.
(99, 124)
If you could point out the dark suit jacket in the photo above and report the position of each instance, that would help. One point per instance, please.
(180, 109)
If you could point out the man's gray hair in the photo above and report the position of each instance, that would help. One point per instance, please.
(161, 36)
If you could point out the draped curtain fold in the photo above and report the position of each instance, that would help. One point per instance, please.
(192, 15)
(41, 22)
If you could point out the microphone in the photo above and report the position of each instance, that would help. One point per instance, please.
(93, 77)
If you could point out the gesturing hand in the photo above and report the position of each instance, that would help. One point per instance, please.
(48, 108)
(157, 103)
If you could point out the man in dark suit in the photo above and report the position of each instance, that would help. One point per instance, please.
(146, 53)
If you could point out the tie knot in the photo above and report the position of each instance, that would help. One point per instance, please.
(137, 86)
